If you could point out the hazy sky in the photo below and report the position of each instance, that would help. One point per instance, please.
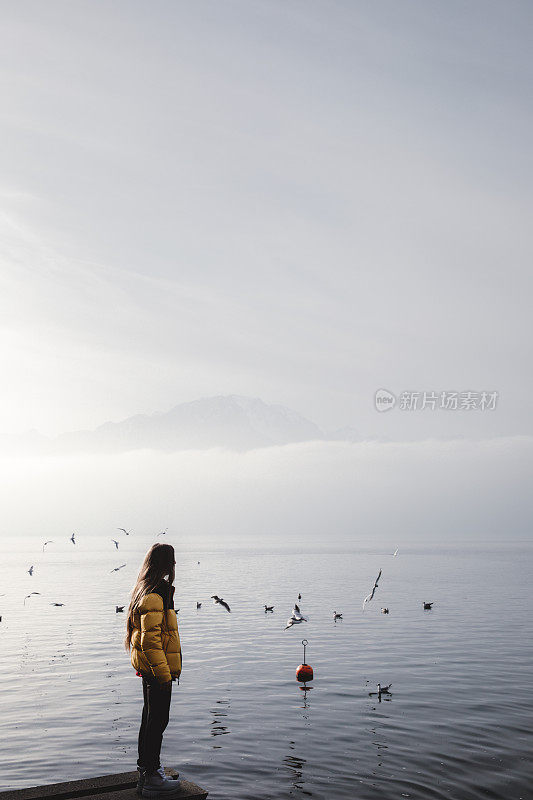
(302, 201)
(323, 494)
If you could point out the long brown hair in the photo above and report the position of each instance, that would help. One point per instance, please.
(158, 563)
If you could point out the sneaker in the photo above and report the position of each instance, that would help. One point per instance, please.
(163, 774)
(142, 777)
(159, 785)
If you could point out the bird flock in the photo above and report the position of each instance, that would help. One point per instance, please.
(72, 539)
(296, 617)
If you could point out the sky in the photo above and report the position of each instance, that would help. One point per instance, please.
(311, 495)
(299, 201)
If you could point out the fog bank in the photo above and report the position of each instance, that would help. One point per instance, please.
(309, 494)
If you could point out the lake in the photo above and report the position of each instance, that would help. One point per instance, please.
(457, 723)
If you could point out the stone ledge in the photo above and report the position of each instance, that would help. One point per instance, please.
(121, 786)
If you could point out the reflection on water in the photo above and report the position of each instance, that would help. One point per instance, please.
(305, 689)
(218, 728)
(295, 765)
(378, 741)
(381, 698)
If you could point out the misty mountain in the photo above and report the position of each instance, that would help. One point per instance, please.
(233, 422)
(346, 434)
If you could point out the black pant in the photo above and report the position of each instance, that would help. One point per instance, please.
(154, 721)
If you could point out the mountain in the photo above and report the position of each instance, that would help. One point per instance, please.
(346, 434)
(231, 421)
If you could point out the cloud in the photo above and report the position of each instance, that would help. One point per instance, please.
(319, 494)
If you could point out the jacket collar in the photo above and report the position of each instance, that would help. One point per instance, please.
(166, 592)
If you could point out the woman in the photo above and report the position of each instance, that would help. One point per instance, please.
(153, 638)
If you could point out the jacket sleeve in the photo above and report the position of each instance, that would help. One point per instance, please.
(151, 612)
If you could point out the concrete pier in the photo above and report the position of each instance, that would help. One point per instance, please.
(120, 786)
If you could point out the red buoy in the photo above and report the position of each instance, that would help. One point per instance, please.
(304, 672)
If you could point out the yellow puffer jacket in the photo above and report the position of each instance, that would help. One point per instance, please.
(155, 641)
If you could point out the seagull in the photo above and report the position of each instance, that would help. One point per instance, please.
(72, 539)
(29, 595)
(118, 609)
(427, 606)
(336, 616)
(295, 621)
(269, 608)
(371, 595)
(296, 617)
(116, 569)
(198, 605)
(30, 570)
(163, 533)
(395, 552)
(124, 530)
(299, 596)
(50, 541)
(116, 543)
(384, 610)
(57, 604)
(219, 601)
(382, 690)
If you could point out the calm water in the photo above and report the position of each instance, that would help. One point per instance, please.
(457, 725)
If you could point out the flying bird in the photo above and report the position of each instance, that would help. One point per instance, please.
(163, 533)
(30, 570)
(124, 530)
(395, 552)
(269, 608)
(427, 606)
(118, 609)
(198, 605)
(116, 569)
(299, 596)
(50, 541)
(295, 621)
(219, 601)
(73, 539)
(29, 595)
(336, 616)
(57, 604)
(384, 610)
(296, 617)
(371, 595)
(116, 543)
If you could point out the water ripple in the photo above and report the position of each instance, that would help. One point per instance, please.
(457, 724)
